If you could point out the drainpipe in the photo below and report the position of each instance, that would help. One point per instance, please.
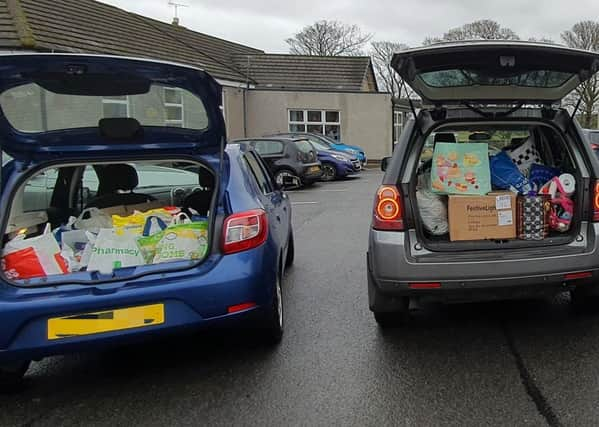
(245, 92)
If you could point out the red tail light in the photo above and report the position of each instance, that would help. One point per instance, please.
(434, 285)
(388, 209)
(241, 307)
(245, 230)
(578, 276)
(595, 206)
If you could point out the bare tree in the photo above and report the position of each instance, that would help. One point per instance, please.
(585, 35)
(381, 53)
(329, 38)
(484, 29)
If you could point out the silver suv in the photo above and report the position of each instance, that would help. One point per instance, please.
(503, 95)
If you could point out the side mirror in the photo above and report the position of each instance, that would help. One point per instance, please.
(385, 163)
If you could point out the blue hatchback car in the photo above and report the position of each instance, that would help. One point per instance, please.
(335, 164)
(333, 144)
(94, 138)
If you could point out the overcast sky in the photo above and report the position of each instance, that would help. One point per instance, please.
(265, 24)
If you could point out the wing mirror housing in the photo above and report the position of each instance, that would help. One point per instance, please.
(385, 163)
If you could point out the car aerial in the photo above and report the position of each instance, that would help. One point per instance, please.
(497, 100)
(593, 138)
(333, 144)
(288, 158)
(335, 164)
(121, 262)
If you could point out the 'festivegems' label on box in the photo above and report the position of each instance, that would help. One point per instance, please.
(477, 217)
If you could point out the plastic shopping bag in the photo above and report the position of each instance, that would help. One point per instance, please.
(461, 169)
(76, 248)
(136, 221)
(432, 208)
(151, 236)
(114, 249)
(182, 242)
(27, 258)
(92, 219)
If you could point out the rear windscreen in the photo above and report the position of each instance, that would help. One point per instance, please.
(32, 109)
(464, 77)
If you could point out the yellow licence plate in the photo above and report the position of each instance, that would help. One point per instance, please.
(315, 169)
(105, 321)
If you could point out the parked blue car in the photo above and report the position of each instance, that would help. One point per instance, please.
(113, 134)
(335, 145)
(335, 164)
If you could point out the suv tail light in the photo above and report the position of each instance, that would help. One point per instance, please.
(245, 230)
(388, 209)
(595, 206)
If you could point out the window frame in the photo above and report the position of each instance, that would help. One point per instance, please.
(126, 102)
(398, 124)
(174, 122)
(323, 123)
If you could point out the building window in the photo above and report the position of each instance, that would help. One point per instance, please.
(173, 107)
(325, 122)
(115, 106)
(398, 121)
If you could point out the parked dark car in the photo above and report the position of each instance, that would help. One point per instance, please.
(288, 157)
(593, 138)
(504, 95)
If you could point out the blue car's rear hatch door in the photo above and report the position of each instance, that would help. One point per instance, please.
(61, 104)
(497, 72)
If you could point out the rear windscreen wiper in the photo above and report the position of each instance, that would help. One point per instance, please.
(493, 114)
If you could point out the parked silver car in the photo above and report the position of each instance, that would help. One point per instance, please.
(502, 94)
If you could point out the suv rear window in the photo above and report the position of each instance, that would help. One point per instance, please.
(32, 109)
(463, 77)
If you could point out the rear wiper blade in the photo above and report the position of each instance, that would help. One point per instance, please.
(493, 114)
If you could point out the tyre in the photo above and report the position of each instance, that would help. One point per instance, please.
(271, 331)
(11, 375)
(329, 172)
(290, 251)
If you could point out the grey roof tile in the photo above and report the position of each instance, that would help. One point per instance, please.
(293, 72)
(94, 27)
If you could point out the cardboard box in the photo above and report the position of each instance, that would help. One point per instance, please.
(487, 217)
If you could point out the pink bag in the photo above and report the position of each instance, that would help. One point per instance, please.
(38, 256)
(562, 208)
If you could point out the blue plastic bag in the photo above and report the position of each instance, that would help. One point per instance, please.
(541, 174)
(505, 175)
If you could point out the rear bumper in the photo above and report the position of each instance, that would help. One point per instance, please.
(393, 270)
(193, 300)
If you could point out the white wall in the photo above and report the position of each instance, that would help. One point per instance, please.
(366, 118)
